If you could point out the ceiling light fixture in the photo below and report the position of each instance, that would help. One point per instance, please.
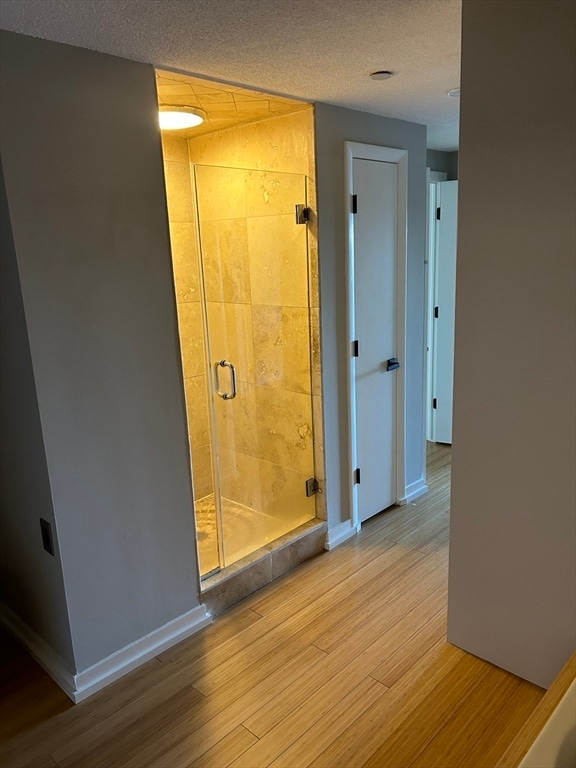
(381, 74)
(455, 93)
(176, 118)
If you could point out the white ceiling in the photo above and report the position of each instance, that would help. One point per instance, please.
(318, 50)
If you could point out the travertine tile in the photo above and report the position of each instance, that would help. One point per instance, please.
(236, 420)
(298, 551)
(191, 338)
(284, 495)
(285, 428)
(221, 193)
(234, 589)
(225, 260)
(282, 143)
(197, 410)
(179, 191)
(202, 471)
(185, 261)
(273, 194)
(319, 468)
(239, 478)
(278, 261)
(279, 144)
(175, 149)
(230, 333)
(316, 352)
(282, 347)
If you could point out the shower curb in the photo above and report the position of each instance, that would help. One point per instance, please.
(250, 574)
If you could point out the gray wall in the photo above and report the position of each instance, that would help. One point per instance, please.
(32, 581)
(443, 161)
(334, 126)
(512, 597)
(84, 180)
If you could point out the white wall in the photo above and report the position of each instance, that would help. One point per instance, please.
(83, 171)
(334, 126)
(512, 596)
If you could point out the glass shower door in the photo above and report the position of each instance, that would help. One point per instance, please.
(254, 262)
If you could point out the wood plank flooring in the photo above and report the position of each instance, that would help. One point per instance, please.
(342, 663)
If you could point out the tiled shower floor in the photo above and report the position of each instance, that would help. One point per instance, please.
(244, 529)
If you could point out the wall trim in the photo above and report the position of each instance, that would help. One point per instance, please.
(414, 491)
(83, 684)
(399, 157)
(44, 654)
(341, 533)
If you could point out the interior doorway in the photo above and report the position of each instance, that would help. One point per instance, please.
(376, 193)
(441, 300)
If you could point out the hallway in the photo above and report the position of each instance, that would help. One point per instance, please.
(343, 662)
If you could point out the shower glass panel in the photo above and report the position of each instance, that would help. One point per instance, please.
(254, 262)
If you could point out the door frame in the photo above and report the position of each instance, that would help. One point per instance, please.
(354, 150)
(432, 178)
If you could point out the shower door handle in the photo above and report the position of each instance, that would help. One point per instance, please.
(225, 364)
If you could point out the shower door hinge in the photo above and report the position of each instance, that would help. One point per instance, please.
(354, 203)
(312, 486)
(357, 476)
(302, 214)
(435, 402)
(355, 348)
(438, 213)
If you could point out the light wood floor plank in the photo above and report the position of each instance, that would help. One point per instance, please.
(227, 750)
(348, 709)
(399, 662)
(464, 728)
(404, 744)
(205, 727)
(341, 663)
(358, 656)
(488, 749)
(355, 745)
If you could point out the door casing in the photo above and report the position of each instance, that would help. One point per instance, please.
(399, 157)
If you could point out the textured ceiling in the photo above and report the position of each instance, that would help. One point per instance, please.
(318, 50)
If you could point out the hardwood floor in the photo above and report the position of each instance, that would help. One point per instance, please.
(341, 663)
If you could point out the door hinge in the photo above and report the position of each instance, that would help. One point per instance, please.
(434, 402)
(357, 476)
(354, 203)
(436, 312)
(302, 214)
(312, 486)
(438, 213)
(355, 348)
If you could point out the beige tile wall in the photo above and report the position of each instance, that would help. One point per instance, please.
(261, 316)
(260, 275)
(186, 279)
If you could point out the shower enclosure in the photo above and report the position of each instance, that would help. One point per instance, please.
(248, 378)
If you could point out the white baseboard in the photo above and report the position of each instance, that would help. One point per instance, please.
(39, 650)
(414, 491)
(83, 684)
(340, 533)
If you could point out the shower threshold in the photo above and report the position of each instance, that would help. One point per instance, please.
(248, 574)
(244, 530)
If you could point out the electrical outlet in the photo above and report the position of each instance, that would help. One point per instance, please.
(47, 540)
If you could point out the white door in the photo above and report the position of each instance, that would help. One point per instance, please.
(443, 311)
(375, 185)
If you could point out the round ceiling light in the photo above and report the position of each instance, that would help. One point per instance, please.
(381, 74)
(455, 93)
(176, 118)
